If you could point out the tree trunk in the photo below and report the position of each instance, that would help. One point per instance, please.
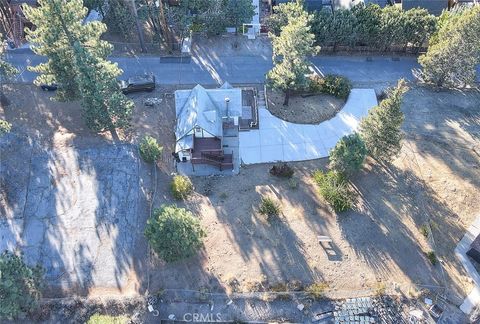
(287, 97)
(164, 25)
(5, 14)
(139, 27)
(3, 99)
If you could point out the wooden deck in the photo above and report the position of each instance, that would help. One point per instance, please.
(210, 151)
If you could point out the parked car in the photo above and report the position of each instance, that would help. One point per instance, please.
(138, 83)
(49, 87)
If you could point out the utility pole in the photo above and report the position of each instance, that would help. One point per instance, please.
(139, 27)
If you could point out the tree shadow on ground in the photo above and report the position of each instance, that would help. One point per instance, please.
(71, 200)
(274, 248)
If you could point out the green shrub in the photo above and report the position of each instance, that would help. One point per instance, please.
(20, 286)
(334, 189)
(181, 187)
(174, 233)
(269, 208)
(149, 149)
(107, 319)
(348, 154)
(316, 290)
(282, 170)
(293, 183)
(337, 86)
(432, 257)
(424, 230)
(316, 83)
(5, 127)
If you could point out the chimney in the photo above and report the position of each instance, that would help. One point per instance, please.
(227, 101)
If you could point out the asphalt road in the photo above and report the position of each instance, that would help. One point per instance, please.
(240, 69)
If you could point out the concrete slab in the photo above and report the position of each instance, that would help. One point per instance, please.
(300, 142)
(79, 218)
(272, 153)
(250, 154)
(473, 299)
(250, 139)
(269, 138)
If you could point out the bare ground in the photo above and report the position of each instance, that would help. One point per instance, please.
(433, 181)
(379, 244)
(304, 109)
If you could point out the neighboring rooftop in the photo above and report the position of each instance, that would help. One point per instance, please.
(19, 2)
(435, 7)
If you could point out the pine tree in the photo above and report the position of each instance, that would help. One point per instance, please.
(49, 39)
(290, 52)
(6, 70)
(283, 13)
(239, 12)
(454, 51)
(381, 129)
(77, 62)
(104, 105)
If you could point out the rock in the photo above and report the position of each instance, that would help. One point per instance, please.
(300, 307)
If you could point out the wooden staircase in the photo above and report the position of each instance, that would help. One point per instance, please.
(261, 99)
(217, 159)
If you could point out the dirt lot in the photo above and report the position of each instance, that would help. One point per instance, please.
(434, 181)
(73, 201)
(379, 244)
(311, 109)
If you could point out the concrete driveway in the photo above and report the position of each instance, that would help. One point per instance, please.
(278, 140)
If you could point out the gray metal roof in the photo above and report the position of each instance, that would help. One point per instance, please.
(313, 5)
(204, 108)
(198, 110)
(435, 7)
(28, 2)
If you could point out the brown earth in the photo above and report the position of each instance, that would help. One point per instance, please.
(303, 109)
(434, 181)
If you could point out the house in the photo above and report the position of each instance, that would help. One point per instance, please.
(315, 5)
(434, 7)
(14, 21)
(207, 126)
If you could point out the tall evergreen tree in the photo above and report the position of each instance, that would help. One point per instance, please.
(381, 128)
(6, 70)
(104, 105)
(454, 51)
(283, 13)
(77, 62)
(49, 39)
(290, 56)
(239, 12)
